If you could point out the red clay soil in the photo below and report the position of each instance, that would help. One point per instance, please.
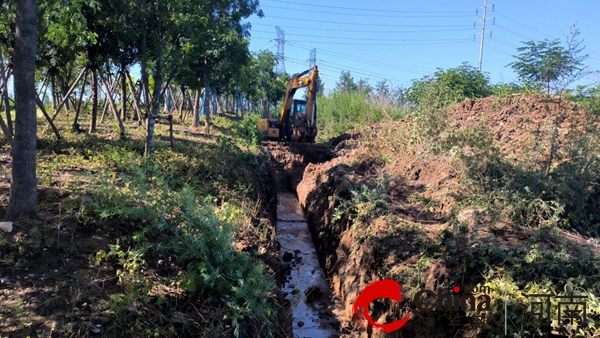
(519, 121)
(350, 260)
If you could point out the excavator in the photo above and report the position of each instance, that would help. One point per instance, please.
(298, 118)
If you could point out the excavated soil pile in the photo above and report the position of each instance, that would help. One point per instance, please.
(524, 125)
(371, 216)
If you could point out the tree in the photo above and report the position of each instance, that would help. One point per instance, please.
(23, 195)
(449, 86)
(547, 64)
(346, 83)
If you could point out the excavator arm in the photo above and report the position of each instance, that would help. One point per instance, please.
(303, 126)
(297, 81)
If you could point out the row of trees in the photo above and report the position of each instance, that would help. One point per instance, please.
(89, 47)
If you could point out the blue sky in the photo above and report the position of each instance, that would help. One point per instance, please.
(404, 40)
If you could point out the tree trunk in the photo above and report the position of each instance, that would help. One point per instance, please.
(112, 105)
(78, 110)
(53, 91)
(207, 112)
(23, 194)
(154, 104)
(124, 92)
(134, 99)
(5, 77)
(94, 98)
(196, 114)
(180, 108)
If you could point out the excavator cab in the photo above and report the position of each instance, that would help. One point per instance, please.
(298, 107)
(298, 118)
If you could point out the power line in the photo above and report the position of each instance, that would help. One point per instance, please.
(497, 50)
(505, 43)
(445, 42)
(365, 31)
(359, 39)
(341, 67)
(372, 74)
(418, 15)
(363, 60)
(367, 9)
(514, 33)
(524, 25)
(363, 24)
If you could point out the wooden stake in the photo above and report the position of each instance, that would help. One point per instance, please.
(113, 107)
(41, 105)
(68, 93)
(137, 109)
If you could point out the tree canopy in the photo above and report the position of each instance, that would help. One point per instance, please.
(550, 65)
(449, 86)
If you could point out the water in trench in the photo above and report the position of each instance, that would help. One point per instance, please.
(315, 313)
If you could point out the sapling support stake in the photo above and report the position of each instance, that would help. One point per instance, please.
(64, 100)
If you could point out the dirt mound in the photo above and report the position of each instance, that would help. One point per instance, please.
(518, 122)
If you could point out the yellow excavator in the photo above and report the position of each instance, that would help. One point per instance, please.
(298, 118)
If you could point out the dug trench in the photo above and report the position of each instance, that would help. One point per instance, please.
(315, 311)
(311, 182)
(321, 179)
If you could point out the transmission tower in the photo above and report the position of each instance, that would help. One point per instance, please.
(483, 32)
(280, 50)
(313, 58)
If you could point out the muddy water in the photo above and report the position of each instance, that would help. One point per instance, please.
(315, 314)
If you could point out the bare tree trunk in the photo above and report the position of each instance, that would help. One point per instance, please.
(134, 98)
(53, 92)
(94, 98)
(43, 109)
(44, 88)
(23, 193)
(154, 104)
(124, 92)
(5, 76)
(180, 108)
(207, 113)
(196, 114)
(68, 93)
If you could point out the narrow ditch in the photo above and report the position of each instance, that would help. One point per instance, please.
(306, 288)
(316, 313)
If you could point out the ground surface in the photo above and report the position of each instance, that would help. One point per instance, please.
(51, 283)
(407, 200)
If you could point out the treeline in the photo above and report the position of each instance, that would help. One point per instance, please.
(189, 54)
(192, 58)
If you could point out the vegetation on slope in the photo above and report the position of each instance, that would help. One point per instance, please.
(169, 245)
